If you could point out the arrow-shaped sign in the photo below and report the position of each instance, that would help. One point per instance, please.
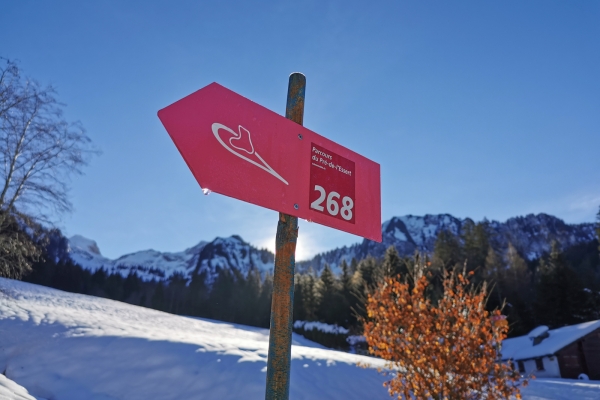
(238, 148)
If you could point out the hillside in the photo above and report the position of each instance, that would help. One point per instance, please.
(71, 347)
(58, 345)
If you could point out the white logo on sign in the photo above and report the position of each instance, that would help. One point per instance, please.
(241, 143)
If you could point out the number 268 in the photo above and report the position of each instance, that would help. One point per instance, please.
(332, 205)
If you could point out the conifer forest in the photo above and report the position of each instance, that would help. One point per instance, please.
(560, 288)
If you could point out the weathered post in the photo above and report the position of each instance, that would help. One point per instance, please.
(280, 339)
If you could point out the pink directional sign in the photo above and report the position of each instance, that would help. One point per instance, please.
(238, 148)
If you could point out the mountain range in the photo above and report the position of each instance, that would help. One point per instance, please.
(531, 235)
(208, 257)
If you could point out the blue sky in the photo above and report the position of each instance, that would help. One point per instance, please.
(478, 109)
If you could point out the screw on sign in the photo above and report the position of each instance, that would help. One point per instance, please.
(238, 148)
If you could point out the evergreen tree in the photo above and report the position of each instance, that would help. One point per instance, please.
(332, 308)
(447, 255)
(346, 278)
(221, 296)
(585, 260)
(68, 277)
(553, 294)
(131, 286)
(347, 296)
(113, 286)
(598, 229)
(560, 294)
(326, 311)
(447, 251)
(312, 294)
(475, 246)
(176, 293)
(299, 306)
(513, 284)
(517, 275)
(392, 264)
(264, 302)
(197, 295)
(590, 309)
(248, 298)
(98, 282)
(327, 278)
(307, 295)
(493, 265)
(353, 265)
(42, 272)
(492, 271)
(158, 297)
(371, 272)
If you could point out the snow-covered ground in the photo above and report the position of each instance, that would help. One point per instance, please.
(63, 346)
(9, 390)
(66, 346)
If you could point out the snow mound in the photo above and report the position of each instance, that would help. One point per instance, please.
(540, 330)
(9, 390)
(320, 326)
(561, 389)
(67, 346)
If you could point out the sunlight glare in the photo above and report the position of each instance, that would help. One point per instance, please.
(303, 252)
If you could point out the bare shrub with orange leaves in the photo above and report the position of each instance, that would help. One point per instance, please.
(450, 350)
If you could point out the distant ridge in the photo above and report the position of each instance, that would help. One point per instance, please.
(532, 236)
(208, 257)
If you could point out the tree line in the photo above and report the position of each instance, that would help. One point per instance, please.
(560, 288)
(557, 289)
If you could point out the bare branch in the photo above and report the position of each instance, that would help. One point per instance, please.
(39, 152)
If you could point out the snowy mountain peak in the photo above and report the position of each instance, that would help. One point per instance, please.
(84, 244)
(532, 236)
(208, 257)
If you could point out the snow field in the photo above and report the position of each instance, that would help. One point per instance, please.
(62, 346)
(9, 390)
(70, 347)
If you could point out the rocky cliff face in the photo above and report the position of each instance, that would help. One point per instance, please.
(531, 235)
(221, 253)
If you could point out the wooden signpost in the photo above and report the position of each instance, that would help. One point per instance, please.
(238, 148)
